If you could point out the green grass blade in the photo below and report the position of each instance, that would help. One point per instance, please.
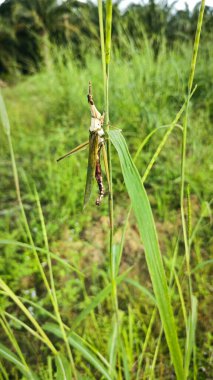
(145, 343)
(6, 124)
(77, 343)
(18, 302)
(142, 289)
(63, 368)
(108, 29)
(202, 265)
(9, 332)
(11, 357)
(24, 325)
(4, 116)
(100, 297)
(125, 362)
(169, 127)
(157, 348)
(190, 339)
(101, 28)
(113, 344)
(184, 147)
(49, 366)
(52, 282)
(3, 372)
(143, 213)
(180, 292)
(55, 256)
(42, 310)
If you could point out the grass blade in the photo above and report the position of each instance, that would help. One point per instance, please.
(190, 339)
(41, 332)
(142, 289)
(4, 116)
(24, 325)
(113, 345)
(77, 343)
(11, 357)
(145, 343)
(3, 372)
(63, 368)
(125, 362)
(143, 213)
(100, 297)
(202, 265)
(108, 29)
(55, 256)
(52, 284)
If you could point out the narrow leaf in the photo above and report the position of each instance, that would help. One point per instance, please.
(202, 265)
(190, 339)
(12, 358)
(76, 342)
(146, 225)
(55, 256)
(125, 362)
(142, 289)
(97, 300)
(4, 116)
(63, 368)
(108, 29)
(113, 345)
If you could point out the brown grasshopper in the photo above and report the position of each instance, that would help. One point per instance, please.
(96, 146)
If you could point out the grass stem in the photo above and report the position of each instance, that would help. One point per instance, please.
(50, 288)
(184, 142)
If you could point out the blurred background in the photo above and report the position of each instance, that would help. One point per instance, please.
(49, 50)
(30, 29)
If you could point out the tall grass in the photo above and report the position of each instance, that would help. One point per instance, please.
(147, 229)
(127, 343)
(106, 57)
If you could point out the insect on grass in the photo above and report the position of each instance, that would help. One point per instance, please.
(96, 145)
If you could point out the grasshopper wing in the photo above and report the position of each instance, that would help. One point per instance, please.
(92, 158)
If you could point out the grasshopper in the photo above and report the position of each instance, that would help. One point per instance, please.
(96, 145)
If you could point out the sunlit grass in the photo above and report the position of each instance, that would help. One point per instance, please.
(120, 337)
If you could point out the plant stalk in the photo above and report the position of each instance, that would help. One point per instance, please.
(184, 142)
(50, 288)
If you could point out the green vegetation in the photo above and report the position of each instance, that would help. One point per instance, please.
(80, 300)
(30, 29)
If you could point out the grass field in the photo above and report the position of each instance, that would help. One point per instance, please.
(49, 115)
